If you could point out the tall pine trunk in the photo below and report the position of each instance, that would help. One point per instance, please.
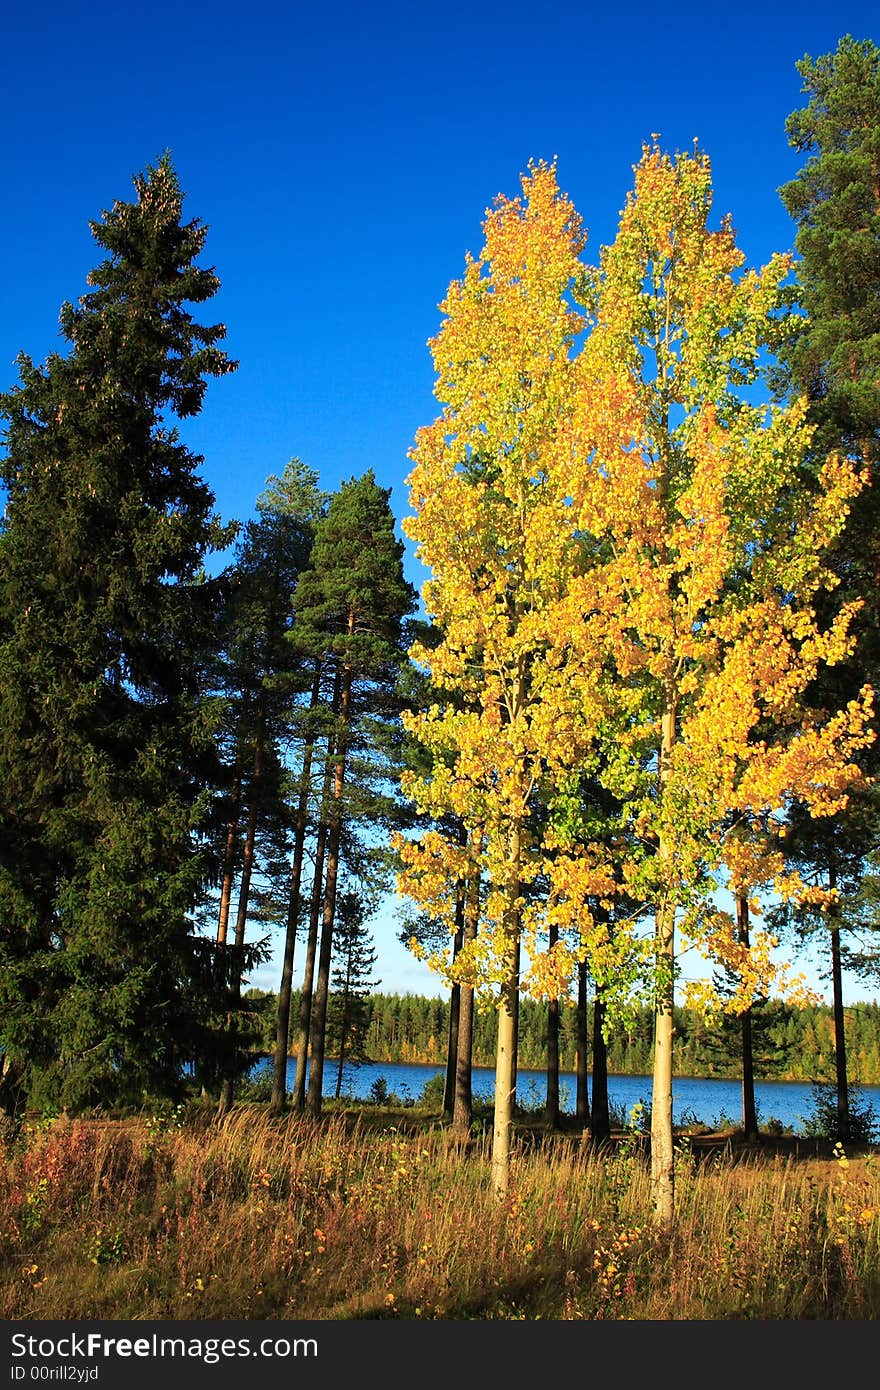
(285, 990)
(307, 992)
(318, 1027)
(244, 890)
(230, 846)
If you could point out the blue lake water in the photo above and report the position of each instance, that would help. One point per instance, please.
(709, 1101)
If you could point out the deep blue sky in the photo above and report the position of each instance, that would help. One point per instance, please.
(343, 156)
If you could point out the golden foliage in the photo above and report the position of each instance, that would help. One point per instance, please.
(620, 543)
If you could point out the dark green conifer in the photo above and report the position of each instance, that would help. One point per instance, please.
(106, 620)
(833, 358)
(349, 1009)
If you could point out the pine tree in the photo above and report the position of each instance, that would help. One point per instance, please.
(263, 711)
(351, 605)
(106, 620)
(834, 359)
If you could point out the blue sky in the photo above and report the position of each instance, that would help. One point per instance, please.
(343, 157)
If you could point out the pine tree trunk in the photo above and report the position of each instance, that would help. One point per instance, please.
(229, 848)
(318, 1021)
(600, 1126)
(843, 1125)
(505, 1052)
(749, 1109)
(285, 990)
(228, 1085)
(581, 1061)
(662, 1153)
(463, 1112)
(322, 987)
(305, 1003)
(553, 1051)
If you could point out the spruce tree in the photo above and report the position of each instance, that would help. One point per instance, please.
(835, 203)
(349, 1011)
(106, 619)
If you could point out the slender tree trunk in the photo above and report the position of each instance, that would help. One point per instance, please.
(322, 987)
(553, 1051)
(455, 995)
(581, 1060)
(662, 1153)
(285, 989)
(244, 890)
(454, 1013)
(749, 1109)
(515, 1004)
(600, 1126)
(505, 1081)
(229, 848)
(843, 1125)
(318, 1022)
(250, 842)
(463, 1112)
(343, 1033)
(505, 1053)
(305, 1003)
(232, 826)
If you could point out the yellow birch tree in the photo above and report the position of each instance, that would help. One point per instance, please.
(495, 531)
(702, 599)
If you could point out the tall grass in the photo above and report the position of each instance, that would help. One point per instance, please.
(251, 1217)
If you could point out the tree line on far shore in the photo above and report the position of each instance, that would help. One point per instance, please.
(791, 1043)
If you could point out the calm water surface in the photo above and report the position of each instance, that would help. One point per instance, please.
(711, 1102)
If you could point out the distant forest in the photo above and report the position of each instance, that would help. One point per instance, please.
(791, 1044)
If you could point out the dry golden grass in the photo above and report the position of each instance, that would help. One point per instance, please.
(257, 1218)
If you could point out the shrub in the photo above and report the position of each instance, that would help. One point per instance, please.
(823, 1122)
(433, 1091)
(379, 1093)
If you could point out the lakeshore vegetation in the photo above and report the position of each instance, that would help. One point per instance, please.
(639, 688)
(791, 1044)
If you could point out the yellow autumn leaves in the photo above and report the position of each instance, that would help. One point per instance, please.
(621, 546)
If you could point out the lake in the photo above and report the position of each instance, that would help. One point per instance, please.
(708, 1101)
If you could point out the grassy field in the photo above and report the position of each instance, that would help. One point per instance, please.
(380, 1215)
